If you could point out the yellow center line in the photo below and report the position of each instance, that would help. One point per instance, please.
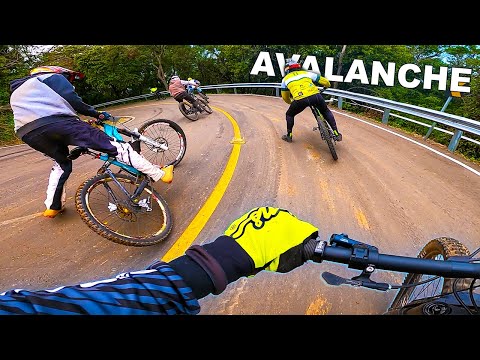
(199, 221)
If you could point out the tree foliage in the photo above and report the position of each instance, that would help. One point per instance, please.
(120, 71)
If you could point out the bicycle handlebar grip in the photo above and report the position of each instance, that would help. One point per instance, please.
(309, 249)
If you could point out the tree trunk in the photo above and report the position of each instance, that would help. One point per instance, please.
(160, 72)
(340, 59)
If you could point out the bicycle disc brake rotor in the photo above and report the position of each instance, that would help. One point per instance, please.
(436, 308)
(127, 211)
(162, 141)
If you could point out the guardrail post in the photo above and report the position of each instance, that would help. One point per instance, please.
(277, 92)
(455, 140)
(218, 91)
(429, 132)
(386, 114)
(235, 90)
(340, 102)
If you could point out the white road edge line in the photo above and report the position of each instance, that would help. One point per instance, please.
(413, 141)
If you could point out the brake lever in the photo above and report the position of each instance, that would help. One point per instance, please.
(336, 280)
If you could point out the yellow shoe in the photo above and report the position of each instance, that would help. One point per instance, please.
(168, 176)
(52, 213)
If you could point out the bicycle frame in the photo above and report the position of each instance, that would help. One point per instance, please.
(105, 168)
(126, 208)
(113, 131)
(109, 160)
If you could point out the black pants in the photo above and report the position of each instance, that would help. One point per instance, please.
(297, 106)
(53, 140)
(189, 97)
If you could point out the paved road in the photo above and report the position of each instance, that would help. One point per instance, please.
(390, 189)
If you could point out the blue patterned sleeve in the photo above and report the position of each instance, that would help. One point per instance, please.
(155, 291)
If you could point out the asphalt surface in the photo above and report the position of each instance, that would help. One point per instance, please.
(390, 189)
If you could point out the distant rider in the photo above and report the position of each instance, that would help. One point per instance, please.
(299, 90)
(178, 90)
(192, 88)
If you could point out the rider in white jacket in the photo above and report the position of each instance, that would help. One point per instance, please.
(45, 107)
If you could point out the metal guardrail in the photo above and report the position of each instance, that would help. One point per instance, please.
(459, 123)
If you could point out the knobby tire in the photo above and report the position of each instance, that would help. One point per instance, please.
(144, 228)
(445, 247)
(325, 134)
(187, 111)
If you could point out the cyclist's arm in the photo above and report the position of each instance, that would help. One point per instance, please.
(162, 289)
(264, 238)
(156, 291)
(286, 95)
(189, 83)
(65, 89)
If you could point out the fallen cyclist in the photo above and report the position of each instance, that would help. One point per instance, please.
(45, 106)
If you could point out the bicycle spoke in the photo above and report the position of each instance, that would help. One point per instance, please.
(169, 137)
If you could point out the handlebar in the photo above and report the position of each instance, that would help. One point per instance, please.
(361, 256)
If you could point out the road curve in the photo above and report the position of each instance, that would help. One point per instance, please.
(390, 189)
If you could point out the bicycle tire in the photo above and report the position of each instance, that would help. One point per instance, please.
(95, 209)
(188, 111)
(165, 132)
(325, 134)
(205, 106)
(203, 96)
(445, 247)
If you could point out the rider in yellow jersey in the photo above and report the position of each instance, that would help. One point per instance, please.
(299, 90)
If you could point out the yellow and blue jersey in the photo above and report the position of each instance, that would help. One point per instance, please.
(299, 84)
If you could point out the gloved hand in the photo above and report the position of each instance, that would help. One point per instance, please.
(324, 82)
(274, 238)
(95, 123)
(104, 116)
(265, 238)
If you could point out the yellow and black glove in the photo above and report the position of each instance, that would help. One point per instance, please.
(324, 82)
(265, 238)
(274, 238)
(286, 96)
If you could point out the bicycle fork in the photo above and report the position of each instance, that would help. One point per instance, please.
(133, 199)
(156, 145)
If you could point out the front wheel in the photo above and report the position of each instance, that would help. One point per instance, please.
(205, 106)
(107, 210)
(171, 139)
(325, 134)
(188, 110)
(437, 249)
(203, 96)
